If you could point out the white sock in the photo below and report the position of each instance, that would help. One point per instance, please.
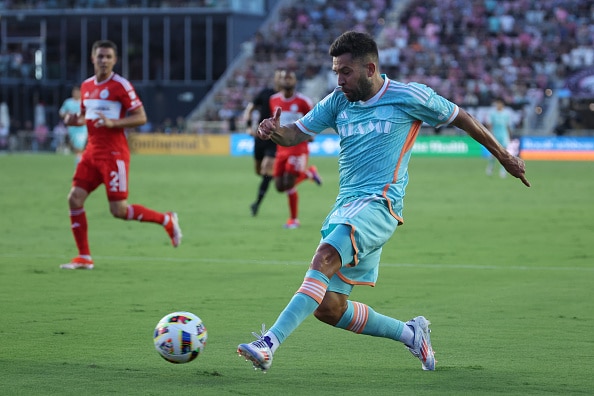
(273, 341)
(408, 336)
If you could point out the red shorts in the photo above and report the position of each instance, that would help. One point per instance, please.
(113, 172)
(290, 163)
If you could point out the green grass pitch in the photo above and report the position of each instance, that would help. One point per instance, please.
(504, 272)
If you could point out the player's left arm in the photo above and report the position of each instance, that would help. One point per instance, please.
(134, 118)
(479, 132)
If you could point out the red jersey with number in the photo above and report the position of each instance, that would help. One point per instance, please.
(293, 108)
(113, 97)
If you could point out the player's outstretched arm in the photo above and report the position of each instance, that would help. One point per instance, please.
(513, 165)
(286, 135)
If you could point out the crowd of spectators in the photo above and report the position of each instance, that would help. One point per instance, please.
(298, 39)
(473, 51)
(63, 4)
(470, 51)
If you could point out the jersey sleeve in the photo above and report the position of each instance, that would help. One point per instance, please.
(321, 117)
(429, 107)
(127, 96)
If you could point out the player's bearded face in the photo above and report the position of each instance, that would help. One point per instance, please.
(362, 91)
(353, 78)
(359, 89)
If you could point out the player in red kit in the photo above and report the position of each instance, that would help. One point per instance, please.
(290, 166)
(109, 104)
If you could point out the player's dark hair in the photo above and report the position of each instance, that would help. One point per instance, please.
(104, 44)
(359, 45)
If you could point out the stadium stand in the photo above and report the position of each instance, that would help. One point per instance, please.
(469, 51)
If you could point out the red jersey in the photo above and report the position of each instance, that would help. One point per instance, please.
(113, 97)
(293, 108)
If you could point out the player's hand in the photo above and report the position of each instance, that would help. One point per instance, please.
(70, 119)
(103, 121)
(268, 126)
(515, 166)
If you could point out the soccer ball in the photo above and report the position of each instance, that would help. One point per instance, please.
(180, 337)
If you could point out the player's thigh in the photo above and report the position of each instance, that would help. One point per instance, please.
(296, 164)
(87, 175)
(115, 173)
(280, 164)
(267, 167)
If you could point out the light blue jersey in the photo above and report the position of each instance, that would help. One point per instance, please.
(500, 121)
(376, 136)
(76, 134)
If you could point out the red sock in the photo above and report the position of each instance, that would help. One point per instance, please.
(78, 224)
(293, 202)
(141, 213)
(302, 176)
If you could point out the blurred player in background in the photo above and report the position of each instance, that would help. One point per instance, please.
(264, 150)
(77, 134)
(377, 120)
(109, 104)
(499, 123)
(290, 166)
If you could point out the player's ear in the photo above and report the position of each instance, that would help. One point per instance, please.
(371, 67)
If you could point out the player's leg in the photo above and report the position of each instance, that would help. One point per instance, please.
(294, 173)
(360, 318)
(293, 201)
(357, 258)
(490, 164)
(115, 174)
(85, 180)
(374, 226)
(304, 302)
(264, 158)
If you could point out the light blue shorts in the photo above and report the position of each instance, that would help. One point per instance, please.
(358, 230)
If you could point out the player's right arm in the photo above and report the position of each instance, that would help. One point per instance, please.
(74, 119)
(286, 135)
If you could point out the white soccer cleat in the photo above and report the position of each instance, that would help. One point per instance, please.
(258, 352)
(78, 263)
(422, 348)
(173, 229)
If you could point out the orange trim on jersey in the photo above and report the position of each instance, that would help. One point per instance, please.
(408, 144)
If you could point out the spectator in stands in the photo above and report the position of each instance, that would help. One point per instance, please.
(40, 137)
(4, 132)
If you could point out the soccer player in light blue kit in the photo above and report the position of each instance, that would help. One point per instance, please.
(499, 123)
(77, 134)
(377, 120)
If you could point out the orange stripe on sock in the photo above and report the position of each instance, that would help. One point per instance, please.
(360, 315)
(313, 288)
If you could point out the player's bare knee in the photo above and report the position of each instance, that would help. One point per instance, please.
(324, 316)
(326, 260)
(329, 312)
(76, 198)
(118, 211)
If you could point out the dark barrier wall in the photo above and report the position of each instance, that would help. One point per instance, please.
(173, 56)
